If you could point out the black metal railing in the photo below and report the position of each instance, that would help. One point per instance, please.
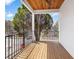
(13, 45)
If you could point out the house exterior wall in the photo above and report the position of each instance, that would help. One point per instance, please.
(67, 26)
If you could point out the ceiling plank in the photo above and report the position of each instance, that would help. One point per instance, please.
(45, 4)
(33, 5)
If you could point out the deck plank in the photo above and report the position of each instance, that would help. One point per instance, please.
(45, 50)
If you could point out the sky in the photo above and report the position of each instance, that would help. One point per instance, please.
(11, 7)
(55, 16)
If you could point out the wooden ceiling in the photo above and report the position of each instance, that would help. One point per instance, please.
(45, 4)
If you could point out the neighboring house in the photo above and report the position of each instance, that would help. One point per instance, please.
(9, 30)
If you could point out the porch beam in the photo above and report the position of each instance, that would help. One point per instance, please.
(45, 11)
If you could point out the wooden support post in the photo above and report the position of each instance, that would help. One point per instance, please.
(33, 26)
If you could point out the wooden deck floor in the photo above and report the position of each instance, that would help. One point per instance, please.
(44, 50)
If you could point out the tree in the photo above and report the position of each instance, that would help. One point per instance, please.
(22, 21)
(42, 21)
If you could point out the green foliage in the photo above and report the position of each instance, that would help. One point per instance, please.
(16, 23)
(20, 20)
(48, 23)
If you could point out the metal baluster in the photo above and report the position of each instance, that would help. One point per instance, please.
(14, 45)
(17, 44)
(20, 43)
(11, 46)
(8, 47)
(5, 47)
